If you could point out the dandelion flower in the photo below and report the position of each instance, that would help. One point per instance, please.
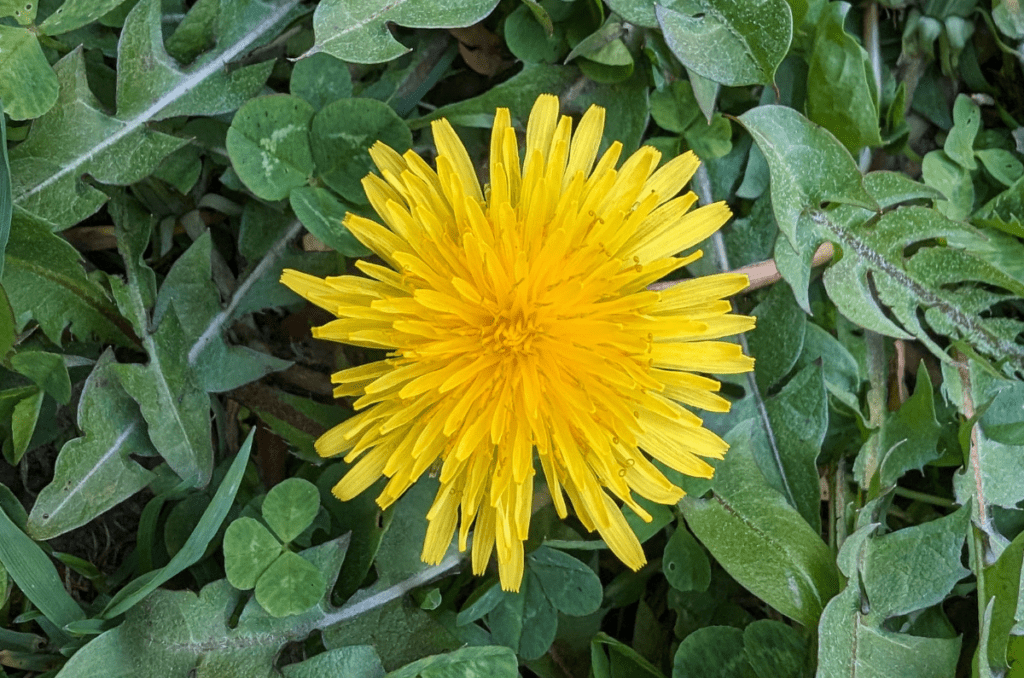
(519, 327)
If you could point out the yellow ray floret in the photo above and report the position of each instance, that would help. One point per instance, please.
(522, 338)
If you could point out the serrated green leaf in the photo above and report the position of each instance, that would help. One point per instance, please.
(268, 143)
(249, 549)
(915, 567)
(320, 79)
(290, 507)
(760, 539)
(850, 648)
(217, 366)
(183, 631)
(75, 138)
(95, 472)
(493, 662)
(730, 42)
(175, 407)
(354, 661)
(28, 86)
(45, 282)
(840, 88)
(356, 30)
(341, 136)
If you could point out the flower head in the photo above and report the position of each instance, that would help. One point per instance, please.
(519, 327)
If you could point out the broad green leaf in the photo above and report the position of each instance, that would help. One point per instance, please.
(760, 539)
(1001, 164)
(341, 136)
(46, 370)
(959, 144)
(6, 209)
(525, 621)
(840, 87)
(775, 650)
(1005, 593)
(848, 647)
(290, 507)
(354, 661)
(571, 586)
(290, 585)
(356, 30)
(8, 330)
(731, 42)
(249, 549)
(95, 472)
(45, 282)
(35, 575)
(195, 547)
(674, 108)
(778, 339)
(23, 11)
(28, 86)
(75, 14)
(185, 632)
(798, 418)
(322, 215)
(839, 367)
(217, 365)
(712, 652)
(684, 562)
(320, 79)
(490, 661)
(269, 145)
(195, 34)
(941, 172)
(75, 138)
(23, 424)
(528, 40)
(915, 567)
(1003, 419)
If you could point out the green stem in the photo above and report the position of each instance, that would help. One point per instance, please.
(924, 498)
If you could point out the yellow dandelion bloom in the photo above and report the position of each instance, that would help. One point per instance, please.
(519, 327)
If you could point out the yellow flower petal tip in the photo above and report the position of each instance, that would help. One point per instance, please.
(520, 329)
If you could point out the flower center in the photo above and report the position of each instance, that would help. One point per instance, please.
(512, 333)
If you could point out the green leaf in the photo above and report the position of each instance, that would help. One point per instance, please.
(8, 332)
(959, 144)
(712, 652)
(23, 11)
(775, 650)
(778, 339)
(1002, 420)
(674, 108)
(6, 207)
(35, 575)
(356, 30)
(760, 539)
(195, 547)
(321, 79)
(730, 42)
(322, 215)
(909, 438)
(850, 648)
(186, 632)
(95, 472)
(490, 661)
(840, 87)
(249, 549)
(341, 136)
(75, 14)
(685, 564)
(1003, 590)
(217, 365)
(75, 138)
(915, 567)
(798, 417)
(1001, 164)
(354, 661)
(23, 424)
(46, 370)
(28, 86)
(942, 172)
(525, 621)
(571, 586)
(290, 585)
(268, 143)
(622, 661)
(45, 282)
(290, 507)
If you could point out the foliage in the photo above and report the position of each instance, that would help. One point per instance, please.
(162, 510)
